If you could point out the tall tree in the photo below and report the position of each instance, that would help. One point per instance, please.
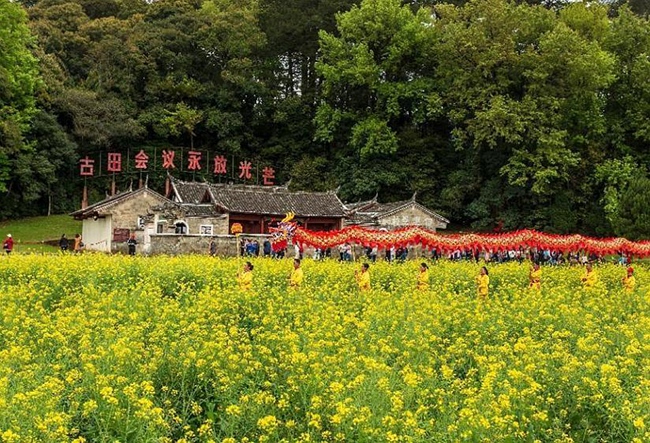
(376, 83)
(19, 80)
(634, 210)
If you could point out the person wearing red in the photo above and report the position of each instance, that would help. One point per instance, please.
(8, 244)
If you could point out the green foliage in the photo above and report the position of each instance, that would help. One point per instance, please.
(518, 114)
(375, 84)
(633, 219)
(19, 81)
(311, 174)
(97, 121)
(182, 119)
(523, 88)
(615, 175)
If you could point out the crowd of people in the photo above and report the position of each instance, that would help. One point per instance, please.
(362, 276)
(541, 256)
(251, 248)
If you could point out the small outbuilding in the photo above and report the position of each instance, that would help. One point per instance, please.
(107, 224)
(393, 215)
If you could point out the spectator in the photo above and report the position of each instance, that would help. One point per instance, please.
(347, 252)
(250, 248)
(63, 243)
(78, 244)
(131, 242)
(8, 245)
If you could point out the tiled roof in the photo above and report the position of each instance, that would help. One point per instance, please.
(269, 200)
(100, 206)
(371, 211)
(374, 207)
(189, 192)
(200, 210)
(360, 205)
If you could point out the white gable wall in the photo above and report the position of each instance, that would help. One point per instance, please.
(97, 234)
(411, 216)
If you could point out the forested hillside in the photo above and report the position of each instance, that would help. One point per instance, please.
(500, 115)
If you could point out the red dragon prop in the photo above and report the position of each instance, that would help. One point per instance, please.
(288, 230)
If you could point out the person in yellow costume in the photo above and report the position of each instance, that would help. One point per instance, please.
(423, 277)
(363, 277)
(297, 276)
(245, 278)
(483, 282)
(590, 278)
(535, 277)
(629, 282)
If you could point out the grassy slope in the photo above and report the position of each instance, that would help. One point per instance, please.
(30, 233)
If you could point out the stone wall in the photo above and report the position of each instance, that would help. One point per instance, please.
(173, 244)
(219, 224)
(125, 214)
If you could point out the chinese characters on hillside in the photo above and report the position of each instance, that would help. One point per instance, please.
(192, 161)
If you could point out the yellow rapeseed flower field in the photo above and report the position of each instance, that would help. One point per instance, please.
(112, 349)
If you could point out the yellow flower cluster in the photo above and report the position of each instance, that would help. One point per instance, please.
(169, 349)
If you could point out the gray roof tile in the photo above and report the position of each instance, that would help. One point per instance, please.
(270, 200)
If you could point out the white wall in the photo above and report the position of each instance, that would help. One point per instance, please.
(411, 216)
(97, 234)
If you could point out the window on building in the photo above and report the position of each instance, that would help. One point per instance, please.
(160, 227)
(181, 227)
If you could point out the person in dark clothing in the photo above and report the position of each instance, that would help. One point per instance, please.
(63, 243)
(131, 242)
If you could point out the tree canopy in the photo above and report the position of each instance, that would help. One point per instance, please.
(19, 80)
(497, 113)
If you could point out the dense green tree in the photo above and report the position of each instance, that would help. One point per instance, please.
(628, 104)
(519, 91)
(634, 210)
(497, 113)
(182, 119)
(96, 121)
(19, 80)
(530, 85)
(376, 83)
(37, 186)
